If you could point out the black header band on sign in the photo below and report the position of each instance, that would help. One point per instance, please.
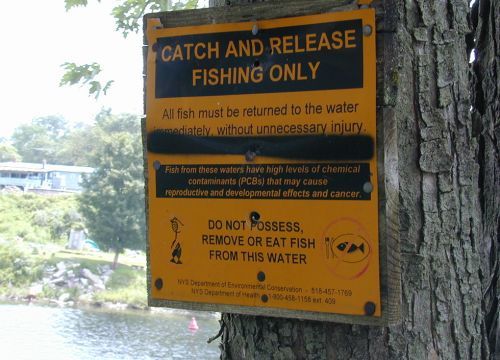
(323, 147)
(325, 56)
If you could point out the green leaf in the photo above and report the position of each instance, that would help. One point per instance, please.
(85, 75)
(69, 4)
(79, 73)
(107, 86)
(128, 14)
(95, 88)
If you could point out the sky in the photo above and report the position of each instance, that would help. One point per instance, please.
(36, 37)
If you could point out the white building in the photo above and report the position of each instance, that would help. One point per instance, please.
(30, 176)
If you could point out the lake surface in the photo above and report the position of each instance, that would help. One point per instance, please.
(40, 332)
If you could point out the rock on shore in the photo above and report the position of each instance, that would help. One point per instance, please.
(68, 282)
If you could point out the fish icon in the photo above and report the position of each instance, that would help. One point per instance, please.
(350, 248)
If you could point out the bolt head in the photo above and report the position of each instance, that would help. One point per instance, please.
(254, 216)
(370, 308)
(367, 30)
(250, 155)
(367, 187)
(159, 283)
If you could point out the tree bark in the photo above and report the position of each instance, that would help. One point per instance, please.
(449, 198)
(485, 18)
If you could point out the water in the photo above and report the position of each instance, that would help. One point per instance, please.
(43, 333)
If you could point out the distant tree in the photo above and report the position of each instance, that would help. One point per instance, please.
(41, 139)
(52, 139)
(8, 152)
(106, 123)
(112, 202)
(79, 146)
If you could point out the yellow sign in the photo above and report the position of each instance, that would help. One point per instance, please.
(262, 164)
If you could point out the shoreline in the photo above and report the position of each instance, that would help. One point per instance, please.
(111, 307)
(13, 299)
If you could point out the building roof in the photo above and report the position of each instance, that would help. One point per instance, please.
(33, 167)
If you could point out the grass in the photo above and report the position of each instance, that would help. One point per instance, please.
(126, 285)
(101, 257)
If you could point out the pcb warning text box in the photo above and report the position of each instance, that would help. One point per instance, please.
(306, 181)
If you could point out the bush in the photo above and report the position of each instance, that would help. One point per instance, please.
(36, 218)
(17, 268)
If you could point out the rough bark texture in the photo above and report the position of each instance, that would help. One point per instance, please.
(485, 18)
(449, 185)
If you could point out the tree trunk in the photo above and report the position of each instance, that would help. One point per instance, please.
(115, 260)
(485, 18)
(449, 198)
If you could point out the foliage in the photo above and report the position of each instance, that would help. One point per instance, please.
(85, 75)
(128, 13)
(78, 146)
(69, 4)
(41, 139)
(36, 218)
(18, 268)
(53, 140)
(107, 124)
(126, 285)
(112, 202)
(21, 267)
(128, 17)
(8, 152)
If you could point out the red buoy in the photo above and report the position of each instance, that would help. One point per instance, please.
(193, 325)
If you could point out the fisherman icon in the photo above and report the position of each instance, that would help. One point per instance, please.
(176, 245)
